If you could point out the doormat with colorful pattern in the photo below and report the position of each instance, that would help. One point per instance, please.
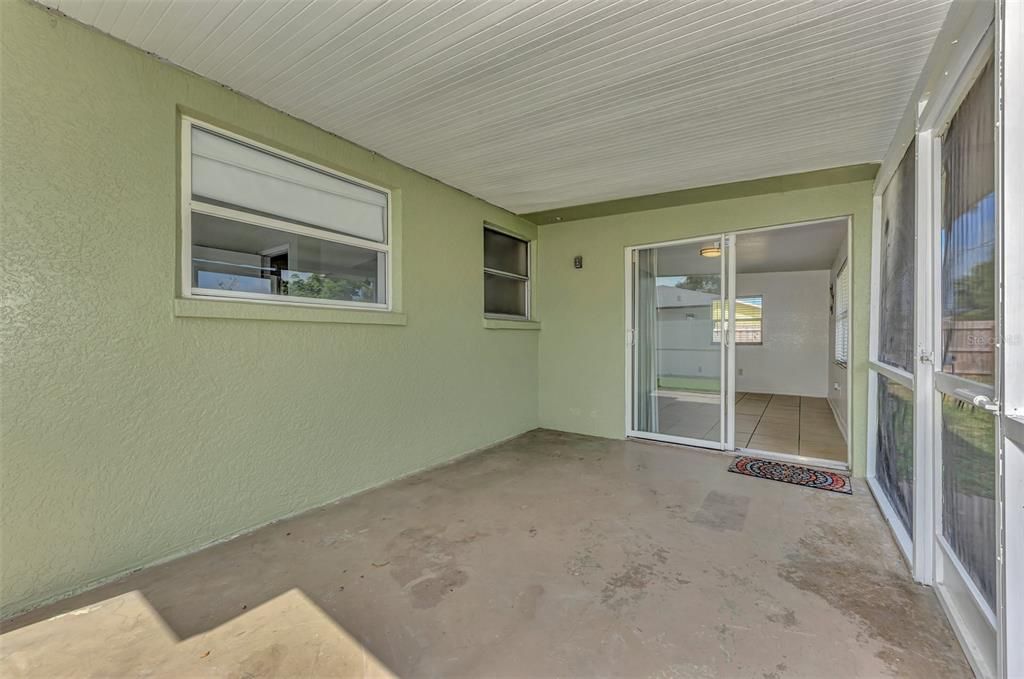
(792, 473)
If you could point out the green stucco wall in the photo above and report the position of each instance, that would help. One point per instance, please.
(129, 433)
(582, 346)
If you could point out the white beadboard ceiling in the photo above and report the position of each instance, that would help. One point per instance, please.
(538, 104)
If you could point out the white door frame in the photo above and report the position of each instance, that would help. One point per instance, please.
(729, 358)
(1009, 181)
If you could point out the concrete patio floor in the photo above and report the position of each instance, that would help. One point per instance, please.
(552, 554)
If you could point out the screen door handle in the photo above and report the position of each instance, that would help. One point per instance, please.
(979, 400)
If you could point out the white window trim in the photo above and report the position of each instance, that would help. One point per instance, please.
(188, 206)
(528, 279)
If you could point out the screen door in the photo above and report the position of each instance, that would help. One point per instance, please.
(966, 422)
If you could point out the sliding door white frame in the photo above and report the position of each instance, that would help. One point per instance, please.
(727, 384)
(728, 270)
(729, 339)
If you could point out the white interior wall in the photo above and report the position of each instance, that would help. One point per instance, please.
(794, 356)
(836, 373)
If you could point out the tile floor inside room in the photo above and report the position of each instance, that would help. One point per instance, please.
(551, 554)
(796, 425)
(799, 425)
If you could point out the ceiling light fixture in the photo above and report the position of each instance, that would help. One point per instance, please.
(711, 251)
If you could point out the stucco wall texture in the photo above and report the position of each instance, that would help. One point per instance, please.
(130, 434)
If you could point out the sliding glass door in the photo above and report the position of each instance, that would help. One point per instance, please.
(680, 342)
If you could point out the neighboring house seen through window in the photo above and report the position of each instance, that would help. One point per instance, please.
(749, 320)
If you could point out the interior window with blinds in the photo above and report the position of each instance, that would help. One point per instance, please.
(506, 275)
(266, 226)
(749, 320)
(842, 315)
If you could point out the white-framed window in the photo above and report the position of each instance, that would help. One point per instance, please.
(749, 320)
(841, 317)
(259, 224)
(506, 275)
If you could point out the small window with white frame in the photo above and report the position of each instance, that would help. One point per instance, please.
(842, 315)
(506, 275)
(259, 224)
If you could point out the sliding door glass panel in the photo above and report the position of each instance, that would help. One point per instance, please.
(967, 335)
(968, 490)
(896, 268)
(894, 450)
(968, 237)
(645, 341)
(677, 361)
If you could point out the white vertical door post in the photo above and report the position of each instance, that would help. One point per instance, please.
(1010, 185)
